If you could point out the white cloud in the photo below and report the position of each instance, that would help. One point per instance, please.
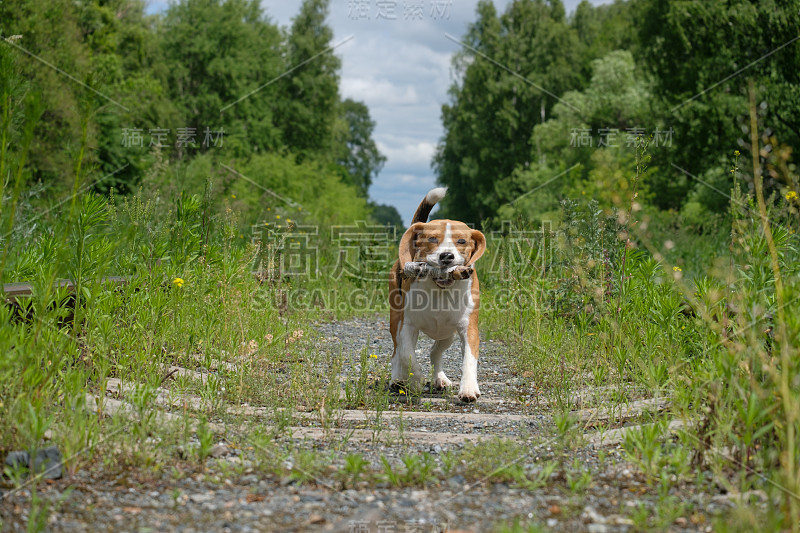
(374, 92)
(406, 179)
(405, 190)
(408, 155)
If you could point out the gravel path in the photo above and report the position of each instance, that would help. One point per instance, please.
(232, 494)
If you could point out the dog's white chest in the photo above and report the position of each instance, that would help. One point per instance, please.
(438, 312)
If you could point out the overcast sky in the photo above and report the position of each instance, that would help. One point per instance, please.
(398, 63)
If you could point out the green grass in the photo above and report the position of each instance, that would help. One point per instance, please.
(600, 325)
(600, 317)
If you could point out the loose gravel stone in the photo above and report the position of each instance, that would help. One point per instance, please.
(47, 463)
(234, 491)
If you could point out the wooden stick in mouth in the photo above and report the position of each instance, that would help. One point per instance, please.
(421, 269)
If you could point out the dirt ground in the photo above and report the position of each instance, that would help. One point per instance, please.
(593, 489)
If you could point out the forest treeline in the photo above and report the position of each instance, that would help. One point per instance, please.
(547, 105)
(124, 99)
(544, 105)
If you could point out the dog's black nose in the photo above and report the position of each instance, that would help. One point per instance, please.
(446, 258)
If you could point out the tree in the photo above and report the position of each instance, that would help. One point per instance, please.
(387, 215)
(493, 111)
(125, 58)
(310, 93)
(603, 29)
(617, 98)
(220, 56)
(359, 155)
(49, 29)
(694, 50)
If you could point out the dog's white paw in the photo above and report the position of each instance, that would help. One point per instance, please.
(469, 392)
(441, 381)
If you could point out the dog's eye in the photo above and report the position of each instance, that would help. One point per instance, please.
(433, 239)
(461, 241)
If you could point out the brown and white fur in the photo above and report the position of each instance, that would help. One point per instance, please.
(439, 308)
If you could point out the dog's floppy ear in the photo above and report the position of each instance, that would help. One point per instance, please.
(407, 252)
(480, 246)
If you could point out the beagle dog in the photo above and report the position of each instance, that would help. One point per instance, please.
(435, 304)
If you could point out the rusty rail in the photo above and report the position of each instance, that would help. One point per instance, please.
(13, 292)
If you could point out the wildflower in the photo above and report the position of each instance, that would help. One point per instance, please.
(233, 196)
(373, 356)
(248, 348)
(277, 216)
(736, 153)
(791, 195)
(676, 269)
(288, 220)
(296, 335)
(178, 282)
(402, 391)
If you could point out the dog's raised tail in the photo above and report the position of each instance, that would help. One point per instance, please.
(430, 200)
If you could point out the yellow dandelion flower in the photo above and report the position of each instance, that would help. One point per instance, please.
(791, 195)
(402, 391)
(736, 153)
(676, 269)
(233, 196)
(277, 216)
(373, 356)
(178, 282)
